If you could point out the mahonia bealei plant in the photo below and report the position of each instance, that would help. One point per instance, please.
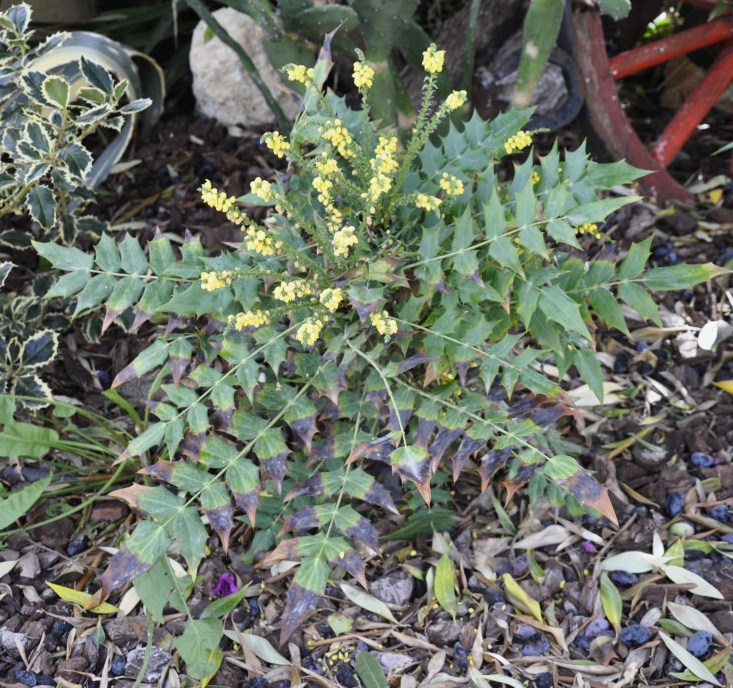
(393, 308)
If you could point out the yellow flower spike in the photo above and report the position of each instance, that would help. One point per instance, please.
(343, 240)
(309, 331)
(451, 185)
(340, 138)
(290, 291)
(323, 187)
(363, 75)
(216, 199)
(327, 166)
(427, 202)
(259, 241)
(212, 281)
(298, 73)
(241, 321)
(277, 143)
(262, 188)
(384, 324)
(455, 100)
(433, 59)
(518, 142)
(379, 185)
(332, 298)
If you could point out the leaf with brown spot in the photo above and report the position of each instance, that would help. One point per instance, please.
(354, 565)
(492, 462)
(305, 590)
(285, 550)
(425, 429)
(162, 470)
(591, 493)
(378, 449)
(303, 519)
(192, 444)
(525, 472)
(221, 520)
(393, 425)
(311, 487)
(109, 317)
(364, 300)
(147, 360)
(468, 446)
(379, 496)
(413, 463)
(305, 429)
(364, 532)
(443, 439)
(272, 452)
(409, 363)
(131, 495)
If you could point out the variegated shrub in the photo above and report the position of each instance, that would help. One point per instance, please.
(48, 107)
(392, 311)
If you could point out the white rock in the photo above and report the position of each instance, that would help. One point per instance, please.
(222, 87)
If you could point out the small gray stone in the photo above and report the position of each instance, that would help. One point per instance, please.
(159, 660)
(444, 632)
(394, 588)
(392, 661)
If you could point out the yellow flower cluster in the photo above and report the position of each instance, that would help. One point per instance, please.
(432, 59)
(385, 325)
(262, 188)
(298, 73)
(323, 187)
(327, 166)
(589, 228)
(518, 142)
(427, 202)
(363, 75)
(455, 100)
(343, 240)
(249, 319)
(445, 377)
(340, 138)
(384, 161)
(535, 177)
(289, 291)
(451, 185)
(259, 241)
(277, 143)
(309, 331)
(216, 199)
(211, 281)
(378, 185)
(334, 218)
(332, 298)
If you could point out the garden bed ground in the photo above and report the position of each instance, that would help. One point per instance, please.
(666, 429)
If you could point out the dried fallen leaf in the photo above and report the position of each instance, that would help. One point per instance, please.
(367, 601)
(692, 663)
(519, 598)
(81, 598)
(692, 618)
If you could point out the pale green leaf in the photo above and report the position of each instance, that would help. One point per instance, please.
(690, 662)
(18, 503)
(445, 583)
(367, 601)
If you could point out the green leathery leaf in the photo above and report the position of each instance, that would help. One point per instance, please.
(152, 436)
(145, 361)
(24, 439)
(611, 601)
(41, 203)
(444, 585)
(94, 292)
(18, 503)
(5, 268)
(199, 647)
(678, 277)
(69, 284)
(132, 256)
(560, 467)
(616, 9)
(597, 211)
(370, 671)
(586, 362)
(64, 257)
(39, 349)
(636, 259)
(638, 298)
(607, 308)
(560, 308)
(158, 588)
(56, 90)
